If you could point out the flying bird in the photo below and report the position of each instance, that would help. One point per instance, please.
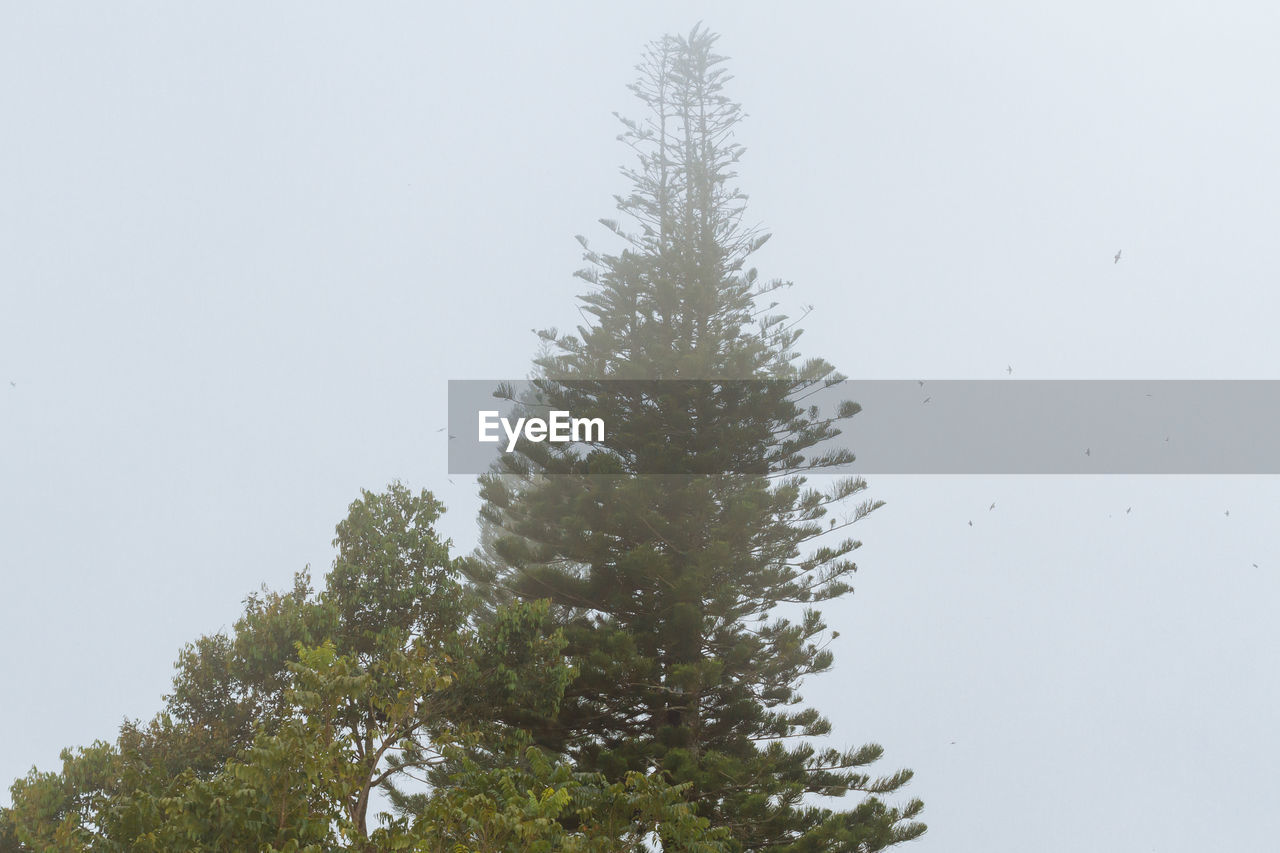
(993, 506)
(971, 524)
(1255, 565)
(1009, 370)
(1117, 258)
(927, 399)
(920, 382)
(1086, 451)
(1227, 513)
(1129, 510)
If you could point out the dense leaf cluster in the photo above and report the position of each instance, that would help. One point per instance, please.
(276, 736)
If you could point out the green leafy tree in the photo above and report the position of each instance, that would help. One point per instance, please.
(9, 842)
(66, 810)
(305, 784)
(393, 591)
(670, 550)
(298, 787)
(539, 804)
(263, 749)
(392, 594)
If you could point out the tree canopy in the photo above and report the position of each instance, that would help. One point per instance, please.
(619, 666)
(684, 552)
(276, 736)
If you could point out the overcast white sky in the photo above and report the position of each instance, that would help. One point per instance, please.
(243, 247)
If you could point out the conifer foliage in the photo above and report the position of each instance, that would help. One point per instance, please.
(674, 550)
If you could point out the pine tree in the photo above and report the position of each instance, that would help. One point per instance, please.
(672, 550)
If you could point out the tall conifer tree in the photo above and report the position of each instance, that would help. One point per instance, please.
(671, 551)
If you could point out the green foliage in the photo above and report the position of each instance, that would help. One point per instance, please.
(64, 811)
(302, 786)
(677, 553)
(276, 737)
(393, 582)
(621, 669)
(538, 804)
(9, 842)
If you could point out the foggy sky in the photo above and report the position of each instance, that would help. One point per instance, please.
(243, 247)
